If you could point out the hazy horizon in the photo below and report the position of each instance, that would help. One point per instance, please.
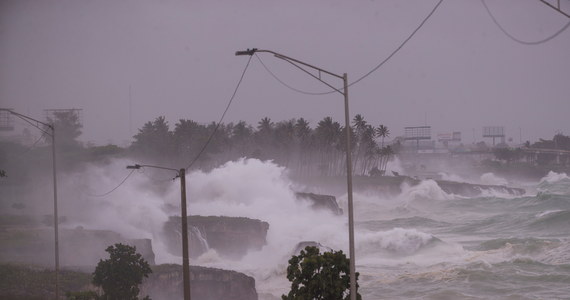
(458, 73)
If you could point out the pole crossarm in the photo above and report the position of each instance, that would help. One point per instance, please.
(295, 62)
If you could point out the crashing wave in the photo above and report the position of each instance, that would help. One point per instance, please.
(426, 189)
(553, 177)
(397, 241)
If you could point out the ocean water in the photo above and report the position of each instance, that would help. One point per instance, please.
(421, 244)
(441, 246)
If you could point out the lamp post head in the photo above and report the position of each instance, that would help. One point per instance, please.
(246, 52)
(135, 167)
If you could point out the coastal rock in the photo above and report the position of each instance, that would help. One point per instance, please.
(474, 190)
(165, 283)
(321, 202)
(231, 237)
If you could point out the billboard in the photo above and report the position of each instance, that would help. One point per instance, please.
(493, 131)
(6, 120)
(417, 133)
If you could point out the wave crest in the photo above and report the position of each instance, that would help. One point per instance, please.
(397, 241)
(553, 177)
(427, 189)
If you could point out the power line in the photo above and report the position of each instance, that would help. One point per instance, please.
(115, 188)
(222, 117)
(281, 81)
(203, 148)
(373, 69)
(512, 37)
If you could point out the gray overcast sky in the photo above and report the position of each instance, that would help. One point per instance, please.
(459, 72)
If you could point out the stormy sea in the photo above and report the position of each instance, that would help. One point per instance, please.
(430, 245)
(420, 244)
(413, 242)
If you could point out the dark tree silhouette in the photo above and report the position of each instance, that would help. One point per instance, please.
(323, 276)
(121, 274)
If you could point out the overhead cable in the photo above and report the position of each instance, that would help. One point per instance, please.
(221, 118)
(109, 192)
(512, 37)
(372, 70)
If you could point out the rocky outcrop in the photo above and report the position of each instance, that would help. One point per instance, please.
(326, 202)
(231, 237)
(474, 190)
(392, 185)
(32, 243)
(165, 283)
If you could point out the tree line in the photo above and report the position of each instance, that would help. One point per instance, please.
(291, 143)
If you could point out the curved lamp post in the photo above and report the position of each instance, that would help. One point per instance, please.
(184, 215)
(55, 217)
(299, 64)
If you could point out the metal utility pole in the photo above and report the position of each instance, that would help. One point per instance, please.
(185, 259)
(55, 214)
(184, 220)
(344, 92)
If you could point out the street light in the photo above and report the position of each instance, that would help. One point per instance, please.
(184, 215)
(55, 217)
(343, 92)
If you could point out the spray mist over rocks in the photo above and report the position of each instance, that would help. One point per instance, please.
(419, 233)
(133, 210)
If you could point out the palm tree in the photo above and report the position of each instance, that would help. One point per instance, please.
(328, 135)
(303, 135)
(284, 136)
(382, 131)
(264, 136)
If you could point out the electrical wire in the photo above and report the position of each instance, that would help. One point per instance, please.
(281, 81)
(512, 37)
(34, 125)
(372, 70)
(29, 149)
(221, 118)
(115, 188)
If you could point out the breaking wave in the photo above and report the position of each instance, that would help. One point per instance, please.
(396, 241)
(553, 177)
(492, 179)
(425, 190)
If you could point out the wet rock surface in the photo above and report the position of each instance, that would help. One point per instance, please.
(318, 201)
(231, 237)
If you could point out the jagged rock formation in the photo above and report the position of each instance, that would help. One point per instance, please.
(321, 202)
(165, 283)
(231, 237)
(28, 242)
